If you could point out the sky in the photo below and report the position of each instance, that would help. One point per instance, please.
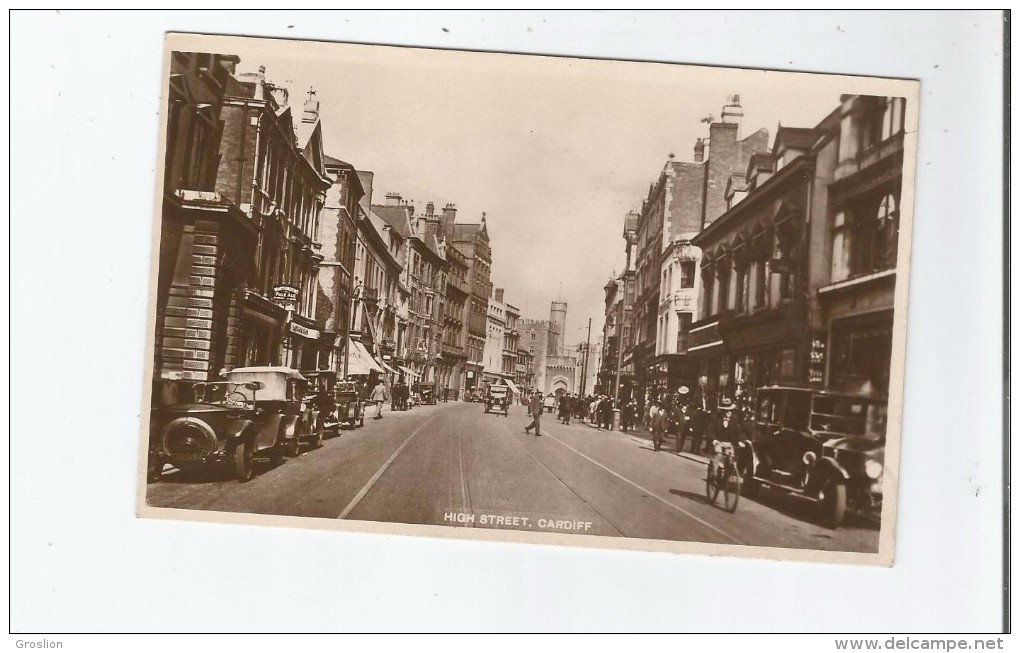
(555, 151)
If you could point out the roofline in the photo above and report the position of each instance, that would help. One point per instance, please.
(770, 186)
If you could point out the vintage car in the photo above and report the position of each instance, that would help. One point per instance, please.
(824, 445)
(349, 407)
(257, 411)
(427, 392)
(497, 399)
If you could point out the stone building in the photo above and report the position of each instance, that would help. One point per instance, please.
(241, 270)
(472, 240)
(425, 277)
(495, 335)
(557, 368)
(453, 353)
(863, 233)
(277, 161)
(687, 197)
(338, 231)
(207, 240)
(763, 261)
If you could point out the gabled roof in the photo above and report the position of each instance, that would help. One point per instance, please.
(333, 163)
(466, 231)
(796, 138)
(398, 217)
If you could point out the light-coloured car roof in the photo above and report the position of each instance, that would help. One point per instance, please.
(290, 373)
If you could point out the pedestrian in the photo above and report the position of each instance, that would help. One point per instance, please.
(535, 410)
(564, 415)
(659, 423)
(606, 413)
(378, 396)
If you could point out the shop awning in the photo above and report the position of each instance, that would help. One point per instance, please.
(513, 387)
(359, 361)
(413, 375)
(386, 367)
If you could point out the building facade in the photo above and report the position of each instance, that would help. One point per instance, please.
(686, 198)
(472, 240)
(338, 231)
(207, 241)
(495, 337)
(863, 233)
(458, 293)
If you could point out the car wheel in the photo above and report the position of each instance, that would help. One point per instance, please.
(832, 503)
(293, 446)
(155, 470)
(243, 459)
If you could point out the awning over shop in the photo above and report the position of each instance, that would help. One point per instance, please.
(513, 387)
(359, 361)
(409, 373)
(386, 367)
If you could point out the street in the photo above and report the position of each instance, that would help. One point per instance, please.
(452, 464)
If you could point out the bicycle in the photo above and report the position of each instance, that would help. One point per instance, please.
(723, 475)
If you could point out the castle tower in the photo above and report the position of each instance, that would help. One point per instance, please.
(557, 327)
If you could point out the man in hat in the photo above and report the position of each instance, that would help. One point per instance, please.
(724, 425)
(535, 410)
(683, 416)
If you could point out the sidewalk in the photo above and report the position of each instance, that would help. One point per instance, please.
(645, 434)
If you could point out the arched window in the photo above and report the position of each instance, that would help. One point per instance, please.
(887, 225)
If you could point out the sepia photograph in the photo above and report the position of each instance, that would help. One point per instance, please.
(554, 300)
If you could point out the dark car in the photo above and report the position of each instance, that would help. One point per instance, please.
(824, 445)
(427, 391)
(497, 399)
(257, 411)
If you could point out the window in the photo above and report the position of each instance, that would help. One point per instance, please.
(687, 274)
(683, 329)
(840, 248)
(724, 287)
(708, 283)
(740, 298)
(871, 245)
(892, 117)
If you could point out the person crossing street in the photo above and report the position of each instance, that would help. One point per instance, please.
(535, 410)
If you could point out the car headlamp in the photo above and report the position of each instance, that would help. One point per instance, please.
(873, 469)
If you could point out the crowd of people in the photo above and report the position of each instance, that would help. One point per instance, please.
(681, 415)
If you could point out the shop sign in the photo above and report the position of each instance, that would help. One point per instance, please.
(304, 332)
(816, 367)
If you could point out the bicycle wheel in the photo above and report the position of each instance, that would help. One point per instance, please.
(731, 487)
(711, 487)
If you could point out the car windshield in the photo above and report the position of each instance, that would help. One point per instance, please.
(221, 392)
(849, 415)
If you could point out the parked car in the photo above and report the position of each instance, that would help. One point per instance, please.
(824, 445)
(257, 411)
(497, 400)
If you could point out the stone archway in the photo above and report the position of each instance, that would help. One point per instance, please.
(559, 386)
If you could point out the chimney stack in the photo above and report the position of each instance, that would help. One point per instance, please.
(499, 295)
(430, 209)
(733, 113)
(449, 216)
(393, 199)
(311, 112)
(699, 150)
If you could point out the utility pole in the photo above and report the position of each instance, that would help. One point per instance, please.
(584, 364)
